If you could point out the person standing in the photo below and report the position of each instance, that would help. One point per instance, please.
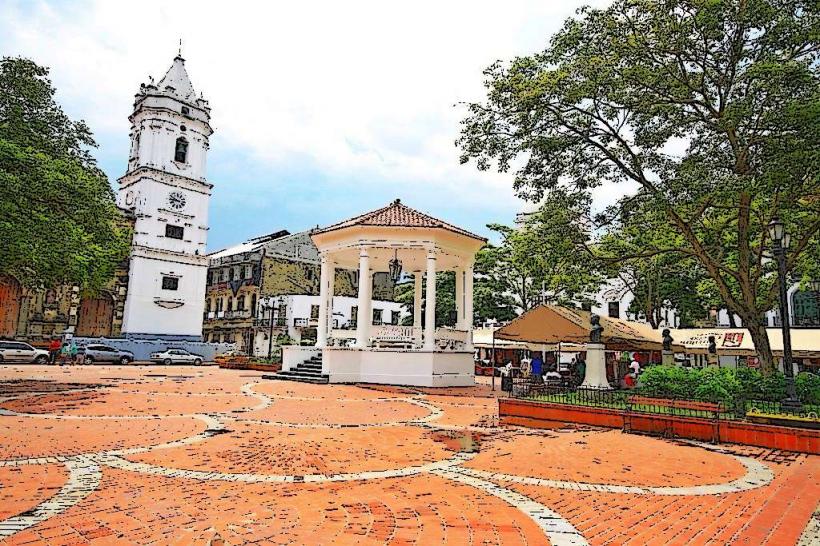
(580, 370)
(53, 350)
(635, 366)
(536, 366)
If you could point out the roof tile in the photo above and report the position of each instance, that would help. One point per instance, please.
(397, 214)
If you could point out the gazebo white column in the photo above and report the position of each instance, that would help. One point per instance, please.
(430, 307)
(324, 289)
(468, 304)
(459, 274)
(363, 317)
(416, 302)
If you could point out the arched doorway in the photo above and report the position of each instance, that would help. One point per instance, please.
(95, 317)
(10, 293)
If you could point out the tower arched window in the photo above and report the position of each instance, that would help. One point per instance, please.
(181, 150)
(230, 304)
(253, 305)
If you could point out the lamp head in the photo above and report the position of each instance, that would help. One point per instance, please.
(776, 230)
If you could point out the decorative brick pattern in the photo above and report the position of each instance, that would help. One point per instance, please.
(185, 455)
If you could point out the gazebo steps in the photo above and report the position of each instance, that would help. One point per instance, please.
(309, 371)
(288, 376)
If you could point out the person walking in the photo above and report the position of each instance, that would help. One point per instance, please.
(72, 352)
(53, 350)
(65, 353)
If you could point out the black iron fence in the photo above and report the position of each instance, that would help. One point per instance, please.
(634, 400)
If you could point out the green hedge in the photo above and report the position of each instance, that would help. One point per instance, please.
(725, 384)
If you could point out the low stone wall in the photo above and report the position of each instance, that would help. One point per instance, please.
(142, 348)
(529, 413)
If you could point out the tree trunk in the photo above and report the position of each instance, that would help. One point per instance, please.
(732, 321)
(762, 347)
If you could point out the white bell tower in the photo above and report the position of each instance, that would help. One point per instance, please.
(165, 187)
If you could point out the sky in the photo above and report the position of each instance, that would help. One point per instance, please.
(321, 110)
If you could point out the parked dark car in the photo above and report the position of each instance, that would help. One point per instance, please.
(95, 352)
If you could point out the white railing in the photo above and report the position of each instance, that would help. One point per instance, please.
(451, 334)
(390, 333)
(452, 339)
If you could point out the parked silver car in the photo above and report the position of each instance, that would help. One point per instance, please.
(95, 352)
(17, 351)
(176, 356)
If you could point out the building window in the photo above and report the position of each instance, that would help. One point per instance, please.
(253, 305)
(240, 303)
(314, 311)
(248, 271)
(614, 309)
(394, 317)
(207, 305)
(170, 283)
(230, 304)
(377, 316)
(236, 274)
(354, 316)
(174, 232)
(219, 303)
(181, 150)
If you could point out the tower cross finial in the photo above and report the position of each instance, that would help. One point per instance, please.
(180, 47)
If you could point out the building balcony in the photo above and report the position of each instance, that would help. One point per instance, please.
(278, 322)
(305, 322)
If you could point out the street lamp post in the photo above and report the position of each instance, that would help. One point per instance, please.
(780, 243)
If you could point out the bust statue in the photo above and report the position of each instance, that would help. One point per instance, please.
(597, 330)
(667, 340)
(712, 345)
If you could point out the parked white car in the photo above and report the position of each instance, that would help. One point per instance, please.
(176, 356)
(17, 351)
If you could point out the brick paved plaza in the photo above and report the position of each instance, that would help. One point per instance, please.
(177, 455)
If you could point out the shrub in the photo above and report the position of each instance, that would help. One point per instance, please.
(718, 385)
(750, 382)
(808, 387)
(669, 381)
(773, 387)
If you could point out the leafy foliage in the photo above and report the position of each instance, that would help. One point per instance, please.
(710, 109)
(58, 220)
(725, 384)
(540, 261)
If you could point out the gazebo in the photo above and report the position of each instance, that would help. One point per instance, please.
(401, 241)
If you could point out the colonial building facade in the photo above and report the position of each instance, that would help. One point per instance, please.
(39, 315)
(266, 287)
(165, 187)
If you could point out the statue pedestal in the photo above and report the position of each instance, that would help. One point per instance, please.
(668, 358)
(595, 377)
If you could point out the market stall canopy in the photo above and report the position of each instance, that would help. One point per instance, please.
(555, 324)
(483, 337)
(738, 341)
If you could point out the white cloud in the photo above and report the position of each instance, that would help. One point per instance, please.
(360, 89)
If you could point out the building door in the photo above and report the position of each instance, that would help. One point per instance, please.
(95, 317)
(10, 294)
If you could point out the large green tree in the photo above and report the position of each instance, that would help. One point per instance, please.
(539, 260)
(660, 282)
(58, 219)
(711, 109)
